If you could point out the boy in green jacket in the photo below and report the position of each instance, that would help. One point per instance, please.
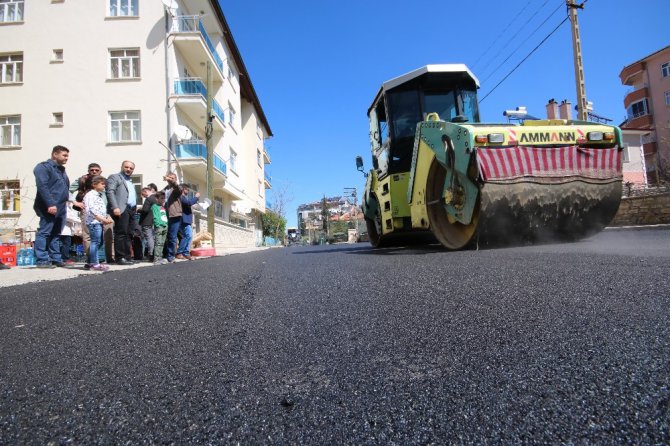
(160, 227)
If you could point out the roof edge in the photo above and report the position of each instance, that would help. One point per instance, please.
(247, 88)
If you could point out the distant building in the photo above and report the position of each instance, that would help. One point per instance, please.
(647, 106)
(310, 215)
(114, 80)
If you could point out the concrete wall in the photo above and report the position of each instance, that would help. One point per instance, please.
(643, 210)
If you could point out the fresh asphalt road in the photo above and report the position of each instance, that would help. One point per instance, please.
(348, 345)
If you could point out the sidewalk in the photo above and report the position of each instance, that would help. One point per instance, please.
(28, 274)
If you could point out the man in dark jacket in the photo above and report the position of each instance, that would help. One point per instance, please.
(186, 227)
(50, 206)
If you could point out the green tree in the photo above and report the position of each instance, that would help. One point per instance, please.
(274, 225)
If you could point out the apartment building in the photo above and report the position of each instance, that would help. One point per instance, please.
(117, 80)
(647, 105)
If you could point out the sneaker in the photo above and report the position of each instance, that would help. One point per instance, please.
(87, 266)
(188, 257)
(180, 257)
(160, 262)
(99, 267)
(69, 262)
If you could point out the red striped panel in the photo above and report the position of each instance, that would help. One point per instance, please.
(497, 163)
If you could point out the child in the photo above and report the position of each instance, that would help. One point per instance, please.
(96, 216)
(71, 228)
(160, 227)
(147, 221)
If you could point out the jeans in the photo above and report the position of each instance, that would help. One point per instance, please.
(96, 242)
(186, 238)
(148, 236)
(65, 245)
(174, 224)
(47, 238)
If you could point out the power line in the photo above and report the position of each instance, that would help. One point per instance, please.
(517, 33)
(501, 34)
(518, 47)
(524, 59)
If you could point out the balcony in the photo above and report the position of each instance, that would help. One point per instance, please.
(266, 156)
(192, 156)
(640, 122)
(190, 96)
(195, 46)
(631, 73)
(268, 180)
(635, 95)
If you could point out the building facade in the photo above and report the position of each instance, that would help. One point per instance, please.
(647, 105)
(117, 80)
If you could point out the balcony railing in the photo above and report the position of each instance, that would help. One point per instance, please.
(188, 86)
(192, 24)
(268, 178)
(198, 149)
(634, 89)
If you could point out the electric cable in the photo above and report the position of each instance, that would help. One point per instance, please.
(518, 47)
(537, 11)
(524, 59)
(501, 34)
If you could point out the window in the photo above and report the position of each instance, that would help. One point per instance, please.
(231, 115)
(637, 109)
(218, 208)
(259, 157)
(137, 184)
(233, 160)
(11, 10)
(57, 55)
(667, 98)
(123, 8)
(665, 69)
(57, 119)
(625, 154)
(10, 197)
(124, 63)
(10, 131)
(124, 126)
(11, 68)
(260, 188)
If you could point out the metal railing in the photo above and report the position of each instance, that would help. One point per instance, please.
(188, 86)
(268, 178)
(192, 24)
(197, 149)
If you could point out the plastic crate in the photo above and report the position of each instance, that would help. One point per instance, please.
(8, 254)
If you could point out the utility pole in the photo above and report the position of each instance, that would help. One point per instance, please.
(577, 53)
(210, 154)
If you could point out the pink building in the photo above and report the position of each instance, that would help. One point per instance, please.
(648, 108)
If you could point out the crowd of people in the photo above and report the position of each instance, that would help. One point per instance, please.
(104, 212)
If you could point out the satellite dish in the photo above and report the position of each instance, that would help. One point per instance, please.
(182, 132)
(171, 6)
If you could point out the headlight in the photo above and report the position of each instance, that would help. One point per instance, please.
(594, 136)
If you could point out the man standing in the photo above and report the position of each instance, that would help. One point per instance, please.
(174, 210)
(50, 206)
(186, 228)
(121, 202)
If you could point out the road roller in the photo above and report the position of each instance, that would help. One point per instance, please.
(439, 174)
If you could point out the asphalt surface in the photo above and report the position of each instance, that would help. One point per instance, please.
(554, 344)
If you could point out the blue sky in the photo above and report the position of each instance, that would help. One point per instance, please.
(316, 66)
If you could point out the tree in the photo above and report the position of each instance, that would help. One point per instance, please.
(274, 225)
(325, 214)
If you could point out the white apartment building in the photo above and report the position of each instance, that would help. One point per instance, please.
(117, 80)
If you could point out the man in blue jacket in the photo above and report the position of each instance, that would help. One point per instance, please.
(50, 206)
(186, 228)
